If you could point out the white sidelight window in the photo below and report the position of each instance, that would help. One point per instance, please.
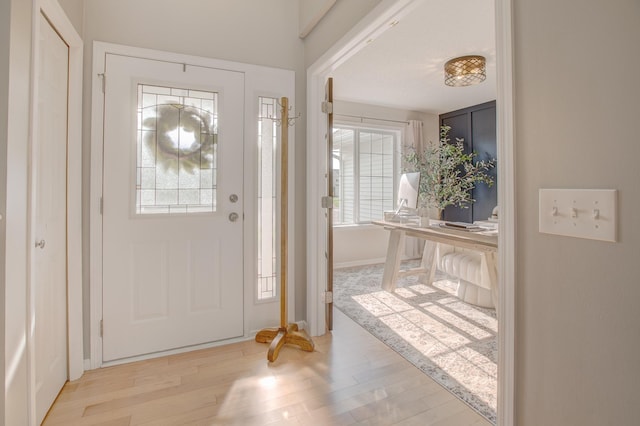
(267, 146)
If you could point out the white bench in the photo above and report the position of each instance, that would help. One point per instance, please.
(471, 270)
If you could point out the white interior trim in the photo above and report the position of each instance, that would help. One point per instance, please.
(375, 23)
(259, 81)
(75, 350)
(506, 213)
(366, 262)
(324, 9)
(74, 185)
(95, 217)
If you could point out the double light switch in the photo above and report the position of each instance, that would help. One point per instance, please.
(582, 213)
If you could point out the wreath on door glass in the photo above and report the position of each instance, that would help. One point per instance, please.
(184, 137)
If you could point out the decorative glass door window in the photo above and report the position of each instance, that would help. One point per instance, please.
(176, 159)
(267, 143)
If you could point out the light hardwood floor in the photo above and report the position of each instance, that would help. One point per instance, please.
(350, 379)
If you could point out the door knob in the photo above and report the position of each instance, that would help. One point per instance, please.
(233, 198)
(40, 244)
(233, 216)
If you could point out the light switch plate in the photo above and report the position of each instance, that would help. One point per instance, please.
(581, 213)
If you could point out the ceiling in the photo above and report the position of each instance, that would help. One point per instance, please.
(403, 67)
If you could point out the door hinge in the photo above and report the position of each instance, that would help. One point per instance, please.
(101, 205)
(101, 328)
(328, 297)
(104, 80)
(327, 107)
(327, 202)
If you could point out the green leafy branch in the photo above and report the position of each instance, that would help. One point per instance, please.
(447, 173)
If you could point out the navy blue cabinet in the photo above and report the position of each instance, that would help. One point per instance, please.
(477, 126)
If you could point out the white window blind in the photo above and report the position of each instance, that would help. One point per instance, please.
(365, 166)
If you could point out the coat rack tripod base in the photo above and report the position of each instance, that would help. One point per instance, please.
(279, 337)
(286, 333)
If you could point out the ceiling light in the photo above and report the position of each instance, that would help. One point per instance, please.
(465, 71)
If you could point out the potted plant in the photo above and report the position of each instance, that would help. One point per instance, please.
(447, 173)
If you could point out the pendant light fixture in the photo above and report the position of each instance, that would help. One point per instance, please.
(465, 71)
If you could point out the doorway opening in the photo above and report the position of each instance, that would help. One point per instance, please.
(357, 39)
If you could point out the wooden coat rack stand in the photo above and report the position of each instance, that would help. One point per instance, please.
(286, 333)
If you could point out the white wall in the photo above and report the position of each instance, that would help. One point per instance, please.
(359, 245)
(335, 24)
(310, 12)
(431, 121)
(366, 244)
(16, 166)
(74, 9)
(576, 114)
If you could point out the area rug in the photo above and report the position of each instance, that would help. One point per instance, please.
(451, 341)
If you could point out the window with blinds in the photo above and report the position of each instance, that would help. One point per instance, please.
(365, 172)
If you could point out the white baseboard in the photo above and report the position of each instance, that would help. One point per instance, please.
(302, 325)
(366, 262)
(363, 262)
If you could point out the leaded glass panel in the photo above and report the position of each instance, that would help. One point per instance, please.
(267, 143)
(176, 155)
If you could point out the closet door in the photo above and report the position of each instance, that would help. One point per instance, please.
(50, 230)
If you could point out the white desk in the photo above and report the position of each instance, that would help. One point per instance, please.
(484, 242)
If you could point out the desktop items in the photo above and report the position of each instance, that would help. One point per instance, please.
(407, 200)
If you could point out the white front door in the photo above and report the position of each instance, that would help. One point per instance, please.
(172, 206)
(50, 230)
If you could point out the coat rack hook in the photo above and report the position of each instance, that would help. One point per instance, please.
(291, 121)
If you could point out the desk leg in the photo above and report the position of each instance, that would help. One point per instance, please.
(394, 256)
(428, 262)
